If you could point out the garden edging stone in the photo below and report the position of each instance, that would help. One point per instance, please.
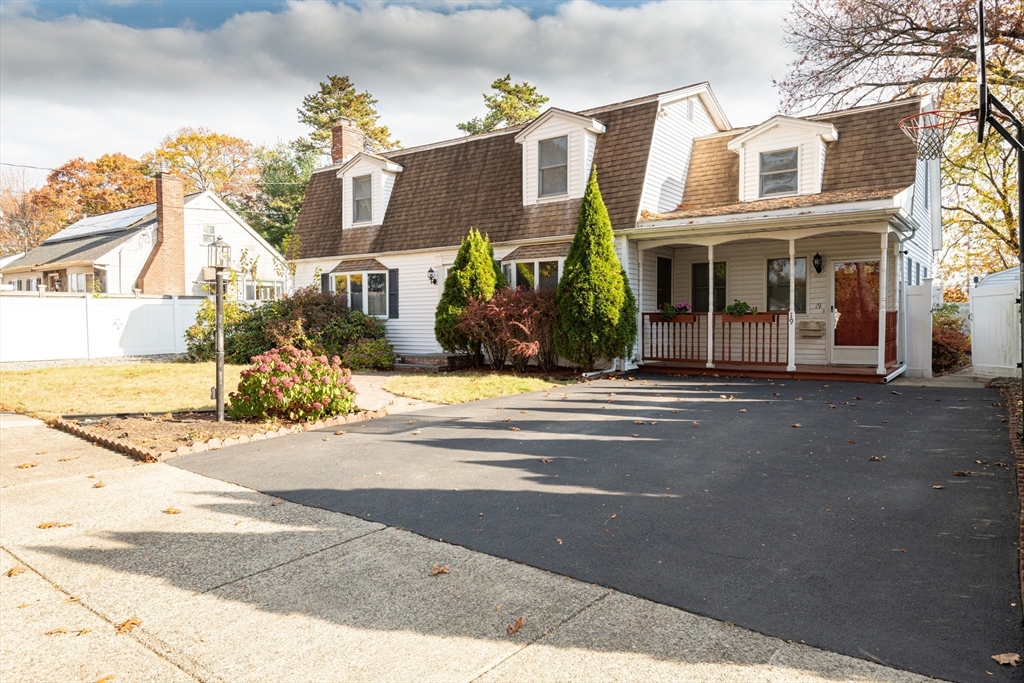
(151, 455)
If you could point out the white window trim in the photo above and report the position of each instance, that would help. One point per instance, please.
(213, 235)
(352, 186)
(366, 282)
(540, 171)
(536, 268)
(796, 193)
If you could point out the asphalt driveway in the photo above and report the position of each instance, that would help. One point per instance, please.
(802, 510)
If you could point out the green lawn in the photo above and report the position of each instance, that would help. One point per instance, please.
(459, 387)
(143, 387)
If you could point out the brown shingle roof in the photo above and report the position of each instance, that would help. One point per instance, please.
(359, 265)
(533, 251)
(444, 191)
(871, 158)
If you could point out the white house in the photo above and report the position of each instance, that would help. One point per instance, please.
(819, 222)
(158, 248)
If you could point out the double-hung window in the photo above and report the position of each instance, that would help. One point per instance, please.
(553, 165)
(209, 234)
(376, 294)
(364, 292)
(778, 284)
(700, 286)
(779, 172)
(362, 199)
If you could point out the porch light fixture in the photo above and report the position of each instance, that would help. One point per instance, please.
(431, 276)
(816, 262)
(219, 258)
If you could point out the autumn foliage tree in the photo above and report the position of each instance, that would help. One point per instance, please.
(224, 164)
(504, 326)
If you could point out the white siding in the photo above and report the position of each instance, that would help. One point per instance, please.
(306, 271)
(780, 138)
(204, 210)
(671, 147)
(125, 263)
(926, 212)
(746, 278)
(578, 153)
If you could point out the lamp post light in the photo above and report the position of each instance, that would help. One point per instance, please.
(219, 258)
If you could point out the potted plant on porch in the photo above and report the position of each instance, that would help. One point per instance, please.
(742, 312)
(676, 313)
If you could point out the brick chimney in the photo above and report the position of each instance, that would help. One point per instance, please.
(164, 272)
(347, 140)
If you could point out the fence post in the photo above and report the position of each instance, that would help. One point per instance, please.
(176, 322)
(88, 327)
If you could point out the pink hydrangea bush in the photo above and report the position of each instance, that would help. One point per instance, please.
(293, 384)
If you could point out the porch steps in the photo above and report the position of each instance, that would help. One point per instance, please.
(431, 363)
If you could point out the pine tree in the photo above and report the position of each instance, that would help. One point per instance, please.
(591, 292)
(499, 277)
(472, 276)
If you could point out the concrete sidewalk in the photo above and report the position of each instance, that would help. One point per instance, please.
(239, 586)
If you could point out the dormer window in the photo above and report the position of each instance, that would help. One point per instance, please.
(779, 172)
(362, 201)
(553, 156)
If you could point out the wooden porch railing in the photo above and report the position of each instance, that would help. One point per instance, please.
(741, 340)
(892, 319)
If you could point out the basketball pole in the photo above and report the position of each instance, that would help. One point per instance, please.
(987, 102)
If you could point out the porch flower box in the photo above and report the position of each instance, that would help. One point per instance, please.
(680, 318)
(748, 318)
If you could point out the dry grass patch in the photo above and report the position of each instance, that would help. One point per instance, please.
(48, 393)
(460, 387)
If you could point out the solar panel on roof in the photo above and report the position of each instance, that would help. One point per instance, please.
(107, 222)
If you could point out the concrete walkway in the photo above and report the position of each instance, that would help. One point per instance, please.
(233, 585)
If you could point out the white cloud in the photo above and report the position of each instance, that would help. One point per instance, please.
(82, 87)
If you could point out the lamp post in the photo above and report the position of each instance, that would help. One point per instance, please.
(219, 258)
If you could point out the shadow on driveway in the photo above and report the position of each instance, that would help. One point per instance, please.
(707, 497)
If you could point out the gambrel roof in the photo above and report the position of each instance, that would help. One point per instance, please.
(871, 159)
(446, 188)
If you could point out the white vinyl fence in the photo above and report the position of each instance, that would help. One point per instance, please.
(80, 326)
(995, 330)
(919, 330)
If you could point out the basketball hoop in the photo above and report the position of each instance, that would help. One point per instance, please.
(930, 129)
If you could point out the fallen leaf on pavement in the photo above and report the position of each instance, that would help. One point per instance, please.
(172, 511)
(937, 485)
(56, 631)
(438, 569)
(514, 429)
(639, 422)
(105, 679)
(50, 525)
(743, 410)
(507, 419)
(98, 485)
(897, 393)
(410, 422)
(874, 458)
(981, 462)
(518, 624)
(546, 460)
(558, 541)
(1001, 464)
(857, 398)
(797, 424)
(26, 465)
(339, 432)
(127, 626)
(696, 424)
(634, 435)
(851, 441)
(15, 570)
(1008, 659)
(961, 473)
(24, 605)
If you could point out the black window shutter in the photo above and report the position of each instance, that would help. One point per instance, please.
(325, 282)
(393, 293)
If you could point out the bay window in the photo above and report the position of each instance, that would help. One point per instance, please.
(541, 275)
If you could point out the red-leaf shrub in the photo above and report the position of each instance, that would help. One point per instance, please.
(503, 326)
(951, 345)
(293, 384)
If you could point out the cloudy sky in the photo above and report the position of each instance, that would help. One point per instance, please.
(86, 78)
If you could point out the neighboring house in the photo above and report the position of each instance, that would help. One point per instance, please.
(702, 213)
(158, 248)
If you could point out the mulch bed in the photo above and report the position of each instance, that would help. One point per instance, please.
(155, 437)
(1011, 391)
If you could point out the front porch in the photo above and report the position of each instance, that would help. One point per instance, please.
(838, 315)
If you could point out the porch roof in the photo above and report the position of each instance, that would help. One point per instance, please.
(535, 251)
(820, 199)
(359, 266)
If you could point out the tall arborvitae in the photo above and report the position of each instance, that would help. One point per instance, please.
(591, 292)
(472, 276)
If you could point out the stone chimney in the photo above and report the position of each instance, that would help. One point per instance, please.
(347, 140)
(164, 272)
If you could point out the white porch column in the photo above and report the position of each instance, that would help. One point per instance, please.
(883, 281)
(711, 306)
(791, 337)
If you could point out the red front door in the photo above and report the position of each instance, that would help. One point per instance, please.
(855, 286)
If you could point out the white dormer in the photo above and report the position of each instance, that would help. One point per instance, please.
(368, 180)
(782, 157)
(558, 150)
